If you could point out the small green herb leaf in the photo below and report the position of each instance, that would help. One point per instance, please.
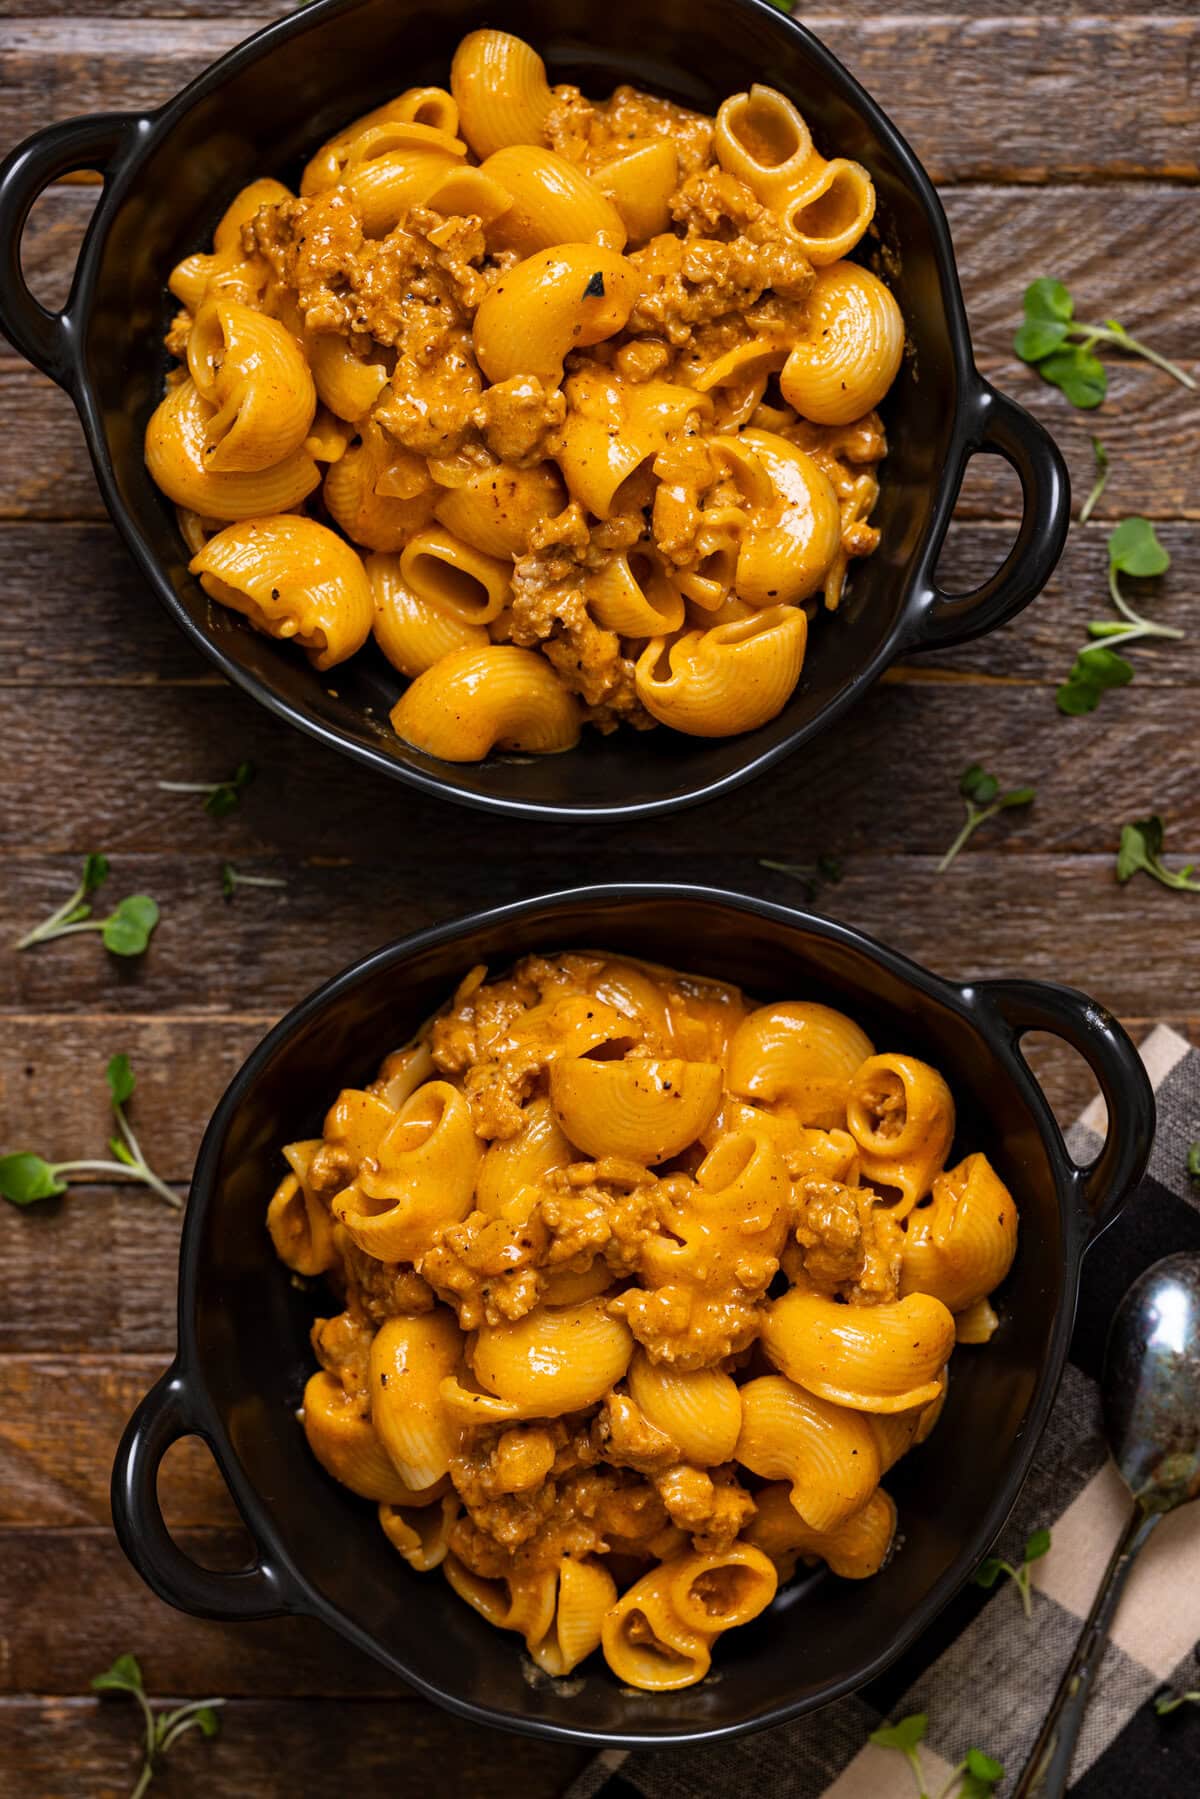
(1093, 672)
(904, 1735)
(984, 799)
(208, 1721)
(1100, 458)
(121, 1079)
(1134, 549)
(25, 1178)
(122, 1152)
(226, 795)
(975, 785)
(1046, 298)
(1140, 851)
(1060, 346)
(95, 872)
(1193, 1161)
(1037, 338)
(989, 1572)
(125, 1676)
(127, 930)
(985, 1767)
(1078, 373)
(1036, 1547)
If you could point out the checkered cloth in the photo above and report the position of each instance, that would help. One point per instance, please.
(982, 1673)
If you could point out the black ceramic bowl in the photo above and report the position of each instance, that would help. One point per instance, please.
(243, 1326)
(265, 106)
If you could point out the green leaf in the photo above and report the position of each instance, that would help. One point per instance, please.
(1079, 374)
(1193, 1161)
(984, 1767)
(1134, 549)
(1019, 796)
(25, 1178)
(120, 1149)
(125, 1676)
(1141, 844)
(1038, 338)
(978, 786)
(95, 872)
(208, 1721)
(1094, 670)
(989, 1572)
(1036, 1547)
(904, 1735)
(1048, 299)
(127, 930)
(121, 1079)
(228, 880)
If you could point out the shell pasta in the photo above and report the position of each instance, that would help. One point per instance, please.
(584, 391)
(639, 1293)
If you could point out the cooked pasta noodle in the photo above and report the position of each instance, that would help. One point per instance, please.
(628, 1329)
(606, 358)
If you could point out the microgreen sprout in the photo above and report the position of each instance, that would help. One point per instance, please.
(162, 1730)
(975, 1777)
(989, 1572)
(1141, 851)
(1061, 347)
(1100, 458)
(126, 931)
(231, 880)
(826, 871)
(1133, 549)
(983, 799)
(26, 1178)
(1193, 1161)
(1166, 1703)
(221, 797)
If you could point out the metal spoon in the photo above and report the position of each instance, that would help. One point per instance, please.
(1151, 1397)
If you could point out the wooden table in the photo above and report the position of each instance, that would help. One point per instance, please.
(1061, 143)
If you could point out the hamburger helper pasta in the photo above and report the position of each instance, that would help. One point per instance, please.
(569, 404)
(643, 1290)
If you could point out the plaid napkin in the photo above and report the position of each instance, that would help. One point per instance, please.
(985, 1675)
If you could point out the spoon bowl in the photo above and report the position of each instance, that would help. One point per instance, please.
(1151, 1385)
(1151, 1397)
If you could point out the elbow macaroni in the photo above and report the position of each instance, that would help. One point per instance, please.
(533, 334)
(558, 1223)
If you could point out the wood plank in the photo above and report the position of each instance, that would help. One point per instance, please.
(61, 1418)
(1131, 110)
(361, 818)
(120, 636)
(59, 1748)
(42, 1573)
(1067, 231)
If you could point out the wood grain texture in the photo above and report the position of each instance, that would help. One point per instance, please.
(61, 1417)
(818, 801)
(69, 1747)
(1133, 108)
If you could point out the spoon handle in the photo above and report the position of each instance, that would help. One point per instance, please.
(1049, 1766)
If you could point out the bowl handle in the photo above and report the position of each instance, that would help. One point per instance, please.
(95, 142)
(991, 422)
(163, 1417)
(1103, 1186)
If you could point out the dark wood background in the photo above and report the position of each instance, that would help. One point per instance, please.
(1064, 143)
